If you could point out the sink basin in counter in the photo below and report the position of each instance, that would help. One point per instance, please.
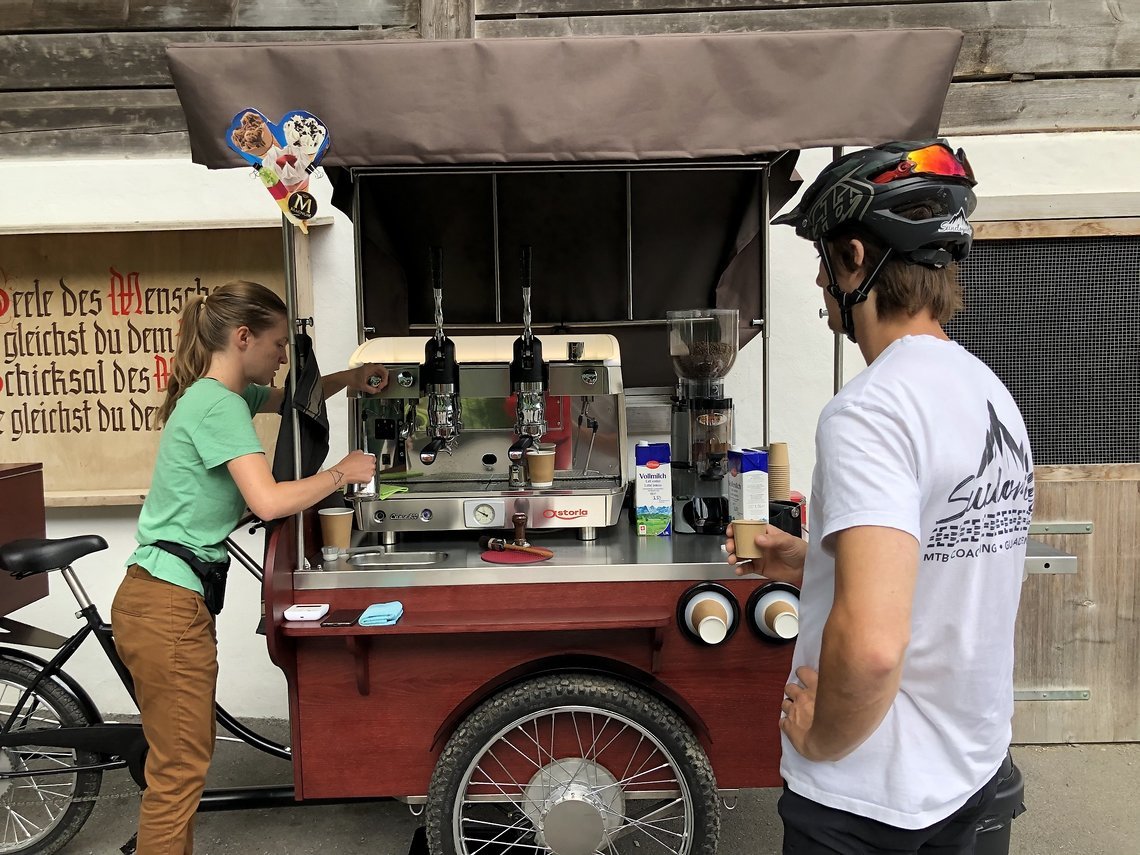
(394, 558)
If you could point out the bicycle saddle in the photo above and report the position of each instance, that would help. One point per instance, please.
(30, 556)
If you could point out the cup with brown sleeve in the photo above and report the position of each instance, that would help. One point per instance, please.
(744, 534)
(336, 527)
(540, 467)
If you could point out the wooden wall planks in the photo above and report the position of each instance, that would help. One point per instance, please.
(121, 60)
(76, 16)
(1083, 631)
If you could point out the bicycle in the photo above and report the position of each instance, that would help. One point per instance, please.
(54, 744)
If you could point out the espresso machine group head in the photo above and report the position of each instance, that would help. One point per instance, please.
(439, 377)
(703, 344)
(530, 377)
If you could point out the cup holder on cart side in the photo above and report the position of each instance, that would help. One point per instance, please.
(773, 612)
(708, 613)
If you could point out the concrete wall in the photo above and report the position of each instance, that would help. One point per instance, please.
(178, 193)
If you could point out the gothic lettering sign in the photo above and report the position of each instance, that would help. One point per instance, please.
(88, 327)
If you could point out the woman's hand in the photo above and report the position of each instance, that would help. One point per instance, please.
(783, 556)
(368, 379)
(358, 468)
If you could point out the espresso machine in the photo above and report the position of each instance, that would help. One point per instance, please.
(513, 399)
(703, 344)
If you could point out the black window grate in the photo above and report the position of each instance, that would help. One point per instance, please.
(1058, 320)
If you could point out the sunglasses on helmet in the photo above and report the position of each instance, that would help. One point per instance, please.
(933, 160)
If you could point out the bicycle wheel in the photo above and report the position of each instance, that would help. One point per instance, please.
(573, 764)
(39, 814)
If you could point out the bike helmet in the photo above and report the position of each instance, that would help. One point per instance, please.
(879, 189)
(871, 187)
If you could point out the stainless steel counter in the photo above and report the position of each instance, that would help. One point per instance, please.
(618, 555)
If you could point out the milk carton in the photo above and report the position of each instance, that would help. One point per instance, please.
(748, 484)
(653, 490)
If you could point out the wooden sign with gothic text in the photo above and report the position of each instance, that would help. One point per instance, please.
(88, 326)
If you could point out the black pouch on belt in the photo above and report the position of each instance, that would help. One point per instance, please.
(211, 573)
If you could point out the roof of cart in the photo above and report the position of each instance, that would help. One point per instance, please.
(651, 98)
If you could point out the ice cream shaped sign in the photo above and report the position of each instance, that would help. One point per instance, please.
(284, 156)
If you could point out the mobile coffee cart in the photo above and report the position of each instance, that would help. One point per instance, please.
(573, 706)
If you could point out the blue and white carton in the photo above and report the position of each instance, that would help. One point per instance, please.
(653, 489)
(748, 484)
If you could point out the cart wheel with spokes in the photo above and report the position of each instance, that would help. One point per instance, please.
(573, 764)
(40, 813)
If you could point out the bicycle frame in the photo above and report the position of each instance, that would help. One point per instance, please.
(123, 745)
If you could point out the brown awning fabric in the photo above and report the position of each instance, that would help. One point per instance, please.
(650, 98)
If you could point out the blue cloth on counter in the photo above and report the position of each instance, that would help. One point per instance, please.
(382, 614)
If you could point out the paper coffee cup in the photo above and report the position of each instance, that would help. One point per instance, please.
(782, 618)
(336, 526)
(540, 467)
(778, 454)
(709, 619)
(709, 616)
(744, 534)
(777, 613)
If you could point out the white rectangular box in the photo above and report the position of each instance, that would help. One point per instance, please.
(748, 484)
(653, 490)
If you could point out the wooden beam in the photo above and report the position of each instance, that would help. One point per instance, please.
(1036, 229)
(113, 60)
(1053, 206)
(1042, 105)
(551, 8)
(98, 123)
(447, 19)
(102, 15)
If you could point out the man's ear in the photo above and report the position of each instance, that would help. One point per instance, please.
(858, 252)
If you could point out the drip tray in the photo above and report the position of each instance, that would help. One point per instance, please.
(381, 559)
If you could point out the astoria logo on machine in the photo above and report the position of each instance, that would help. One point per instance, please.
(575, 514)
(422, 516)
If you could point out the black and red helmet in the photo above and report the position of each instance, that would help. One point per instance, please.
(874, 188)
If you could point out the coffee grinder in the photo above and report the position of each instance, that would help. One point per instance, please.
(702, 345)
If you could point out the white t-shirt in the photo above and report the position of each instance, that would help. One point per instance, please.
(928, 441)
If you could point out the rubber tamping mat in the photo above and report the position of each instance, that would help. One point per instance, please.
(493, 556)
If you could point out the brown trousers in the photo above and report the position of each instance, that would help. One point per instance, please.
(166, 638)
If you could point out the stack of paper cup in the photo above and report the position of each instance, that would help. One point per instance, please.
(779, 476)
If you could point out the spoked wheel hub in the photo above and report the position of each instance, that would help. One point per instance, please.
(575, 805)
(573, 764)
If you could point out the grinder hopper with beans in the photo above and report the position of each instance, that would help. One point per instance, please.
(702, 345)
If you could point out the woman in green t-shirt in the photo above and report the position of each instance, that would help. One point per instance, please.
(210, 467)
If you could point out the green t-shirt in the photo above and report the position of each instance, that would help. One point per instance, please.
(193, 500)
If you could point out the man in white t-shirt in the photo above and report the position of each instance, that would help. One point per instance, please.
(897, 719)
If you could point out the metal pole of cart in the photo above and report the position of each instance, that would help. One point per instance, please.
(765, 284)
(837, 357)
(289, 245)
